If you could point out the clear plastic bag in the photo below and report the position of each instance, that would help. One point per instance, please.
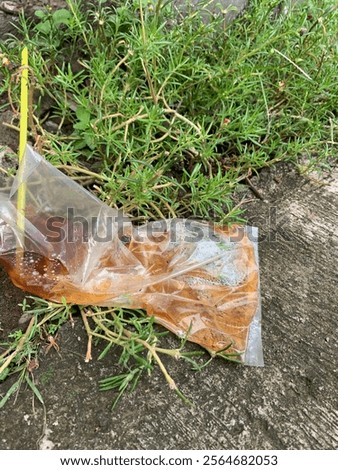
(195, 278)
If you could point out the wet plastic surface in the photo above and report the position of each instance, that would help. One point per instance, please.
(193, 277)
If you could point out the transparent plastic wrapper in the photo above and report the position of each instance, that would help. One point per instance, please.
(198, 280)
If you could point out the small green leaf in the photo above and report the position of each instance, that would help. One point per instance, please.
(10, 392)
(80, 144)
(40, 14)
(34, 388)
(105, 351)
(61, 16)
(80, 126)
(83, 115)
(90, 141)
(44, 27)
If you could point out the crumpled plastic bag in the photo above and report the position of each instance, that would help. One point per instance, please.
(195, 278)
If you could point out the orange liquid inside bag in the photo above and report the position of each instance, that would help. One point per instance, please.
(217, 311)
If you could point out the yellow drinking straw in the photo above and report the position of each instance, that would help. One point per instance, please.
(23, 141)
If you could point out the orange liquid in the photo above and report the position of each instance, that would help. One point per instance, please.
(32, 272)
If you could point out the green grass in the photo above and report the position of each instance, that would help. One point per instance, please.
(164, 115)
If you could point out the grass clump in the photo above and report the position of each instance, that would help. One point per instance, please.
(164, 114)
(172, 112)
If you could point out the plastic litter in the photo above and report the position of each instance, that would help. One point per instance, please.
(195, 278)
